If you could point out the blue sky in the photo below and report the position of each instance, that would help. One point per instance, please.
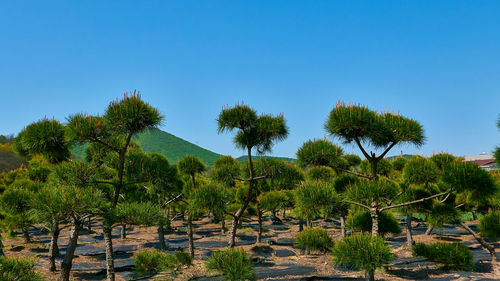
(435, 61)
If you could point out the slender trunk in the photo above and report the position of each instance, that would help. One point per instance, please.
(284, 213)
(110, 264)
(373, 165)
(26, 235)
(488, 247)
(474, 213)
(241, 210)
(409, 236)
(89, 224)
(374, 216)
(301, 225)
(342, 226)
(1, 246)
(223, 226)
(370, 275)
(259, 219)
(429, 230)
(67, 262)
(53, 248)
(161, 237)
(123, 231)
(190, 236)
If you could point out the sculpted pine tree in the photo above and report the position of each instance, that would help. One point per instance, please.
(497, 150)
(191, 166)
(112, 134)
(253, 132)
(367, 128)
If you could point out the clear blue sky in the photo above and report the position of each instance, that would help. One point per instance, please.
(435, 61)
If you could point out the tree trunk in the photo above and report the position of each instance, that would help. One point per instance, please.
(67, 262)
(26, 235)
(373, 165)
(483, 243)
(110, 263)
(374, 216)
(161, 237)
(190, 235)
(89, 224)
(1, 246)
(474, 213)
(123, 231)
(259, 219)
(370, 275)
(223, 225)
(429, 230)
(301, 225)
(53, 248)
(409, 236)
(284, 213)
(342, 226)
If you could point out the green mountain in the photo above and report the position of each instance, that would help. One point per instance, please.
(174, 148)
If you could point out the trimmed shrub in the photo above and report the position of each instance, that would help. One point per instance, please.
(19, 269)
(234, 264)
(489, 225)
(362, 221)
(314, 239)
(451, 255)
(362, 252)
(148, 261)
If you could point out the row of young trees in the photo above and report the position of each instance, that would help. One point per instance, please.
(119, 184)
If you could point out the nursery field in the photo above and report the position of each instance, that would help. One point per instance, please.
(275, 258)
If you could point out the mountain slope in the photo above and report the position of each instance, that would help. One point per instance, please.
(174, 148)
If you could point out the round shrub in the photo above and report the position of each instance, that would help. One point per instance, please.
(363, 252)
(314, 239)
(156, 261)
(362, 221)
(234, 264)
(19, 269)
(451, 255)
(489, 225)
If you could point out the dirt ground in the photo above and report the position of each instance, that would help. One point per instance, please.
(275, 258)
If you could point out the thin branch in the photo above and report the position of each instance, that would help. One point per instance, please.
(357, 174)
(95, 139)
(250, 179)
(368, 157)
(359, 204)
(459, 205)
(172, 200)
(414, 201)
(447, 195)
(389, 203)
(387, 150)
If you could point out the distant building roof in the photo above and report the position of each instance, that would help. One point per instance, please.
(485, 161)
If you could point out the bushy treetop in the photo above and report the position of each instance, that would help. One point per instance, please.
(319, 153)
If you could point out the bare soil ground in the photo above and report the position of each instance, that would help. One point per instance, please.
(275, 259)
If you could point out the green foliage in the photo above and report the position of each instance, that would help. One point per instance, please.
(190, 165)
(314, 239)
(353, 160)
(399, 163)
(452, 255)
(342, 182)
(442, 213)
(274, 200)
(489, 225)
(148, 261)
(420, 170)
(213, 197)
(225, 169)
(19, 269)
(442, 160)
(362, 221)
(46, 137)
(366, 192)
(234, 264)
(253, 131)
(469, 177)
(139, 213)
(360, 124)
(320, 173)
(319, 153)
(384, 167)
(414, 193)
(316, 198)
(363, 252)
